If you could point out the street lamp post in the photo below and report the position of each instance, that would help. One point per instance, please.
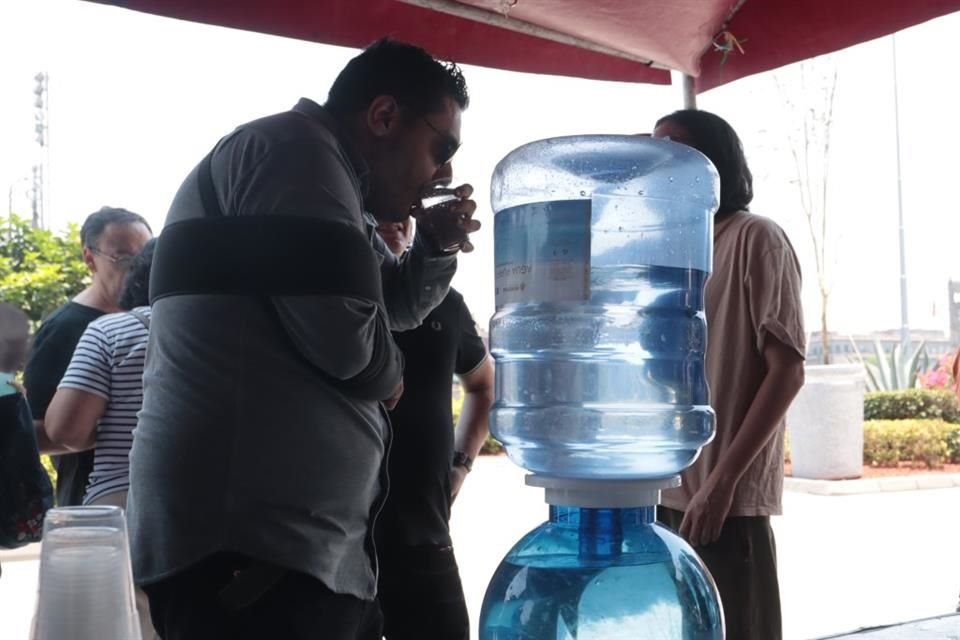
(39, 203)
(904, 321)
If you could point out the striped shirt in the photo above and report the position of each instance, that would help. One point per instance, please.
(108, 362)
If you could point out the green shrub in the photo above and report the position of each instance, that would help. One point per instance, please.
(881, 446)
(953, 443)
(51, 472)
(887, 443)
(491, 447)
(920, 404)
(39, 269)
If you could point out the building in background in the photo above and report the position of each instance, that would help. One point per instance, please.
(844, 347)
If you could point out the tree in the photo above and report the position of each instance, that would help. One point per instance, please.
(810, 101)
(39, 270)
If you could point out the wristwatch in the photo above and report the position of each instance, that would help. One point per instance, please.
(460, 459)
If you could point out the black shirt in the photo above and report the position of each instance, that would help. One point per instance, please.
(50, 355)
(417, 511)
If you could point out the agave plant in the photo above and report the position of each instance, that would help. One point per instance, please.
(893, 371)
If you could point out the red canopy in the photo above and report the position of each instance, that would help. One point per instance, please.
(628, 40)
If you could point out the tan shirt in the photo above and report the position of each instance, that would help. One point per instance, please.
(753, 292)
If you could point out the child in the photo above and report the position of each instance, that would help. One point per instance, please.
(25, 490)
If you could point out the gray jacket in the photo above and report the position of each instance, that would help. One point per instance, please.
(241, 446)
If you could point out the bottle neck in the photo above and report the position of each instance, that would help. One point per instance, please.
(600, 531)
(573, 516)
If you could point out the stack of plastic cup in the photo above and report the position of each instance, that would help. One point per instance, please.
(86, 584)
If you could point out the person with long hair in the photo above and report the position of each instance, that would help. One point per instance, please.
(755, 355)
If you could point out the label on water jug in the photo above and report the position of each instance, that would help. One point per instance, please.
(542, 252)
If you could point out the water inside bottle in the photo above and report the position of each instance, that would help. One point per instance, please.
(600, 337)
(581, 603)
(613, 579)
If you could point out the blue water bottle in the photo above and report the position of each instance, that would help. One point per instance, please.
(603, 245)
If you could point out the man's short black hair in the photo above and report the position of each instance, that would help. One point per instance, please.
(713, 136)
(136, 283)
(418, 81)
(96, 222)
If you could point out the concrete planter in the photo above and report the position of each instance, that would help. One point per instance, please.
(825, 423)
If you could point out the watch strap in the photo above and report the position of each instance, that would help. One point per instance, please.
(461, 459)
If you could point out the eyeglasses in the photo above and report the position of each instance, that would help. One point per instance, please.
(444, 153)
(121, 261)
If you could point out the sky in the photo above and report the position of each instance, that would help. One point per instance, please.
(136, 100)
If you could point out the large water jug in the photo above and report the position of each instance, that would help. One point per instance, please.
(603, 245)
(601, 574)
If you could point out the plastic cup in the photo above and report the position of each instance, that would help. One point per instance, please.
(86, 584)
(437, 194)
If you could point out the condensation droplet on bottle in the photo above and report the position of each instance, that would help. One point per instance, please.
(583, 193)
(670, 179)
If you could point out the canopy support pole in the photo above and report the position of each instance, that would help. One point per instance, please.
(689, 92)
(904, 315)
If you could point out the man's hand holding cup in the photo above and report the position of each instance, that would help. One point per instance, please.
(445, 216)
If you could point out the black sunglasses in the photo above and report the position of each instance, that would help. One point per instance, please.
(443, 153)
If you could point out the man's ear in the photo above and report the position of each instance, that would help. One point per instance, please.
(382, 115)
(88, 260)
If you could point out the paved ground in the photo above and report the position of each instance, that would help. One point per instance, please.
(939, 628)
(846, 561)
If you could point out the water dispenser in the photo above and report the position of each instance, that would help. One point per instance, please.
(602, 246)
